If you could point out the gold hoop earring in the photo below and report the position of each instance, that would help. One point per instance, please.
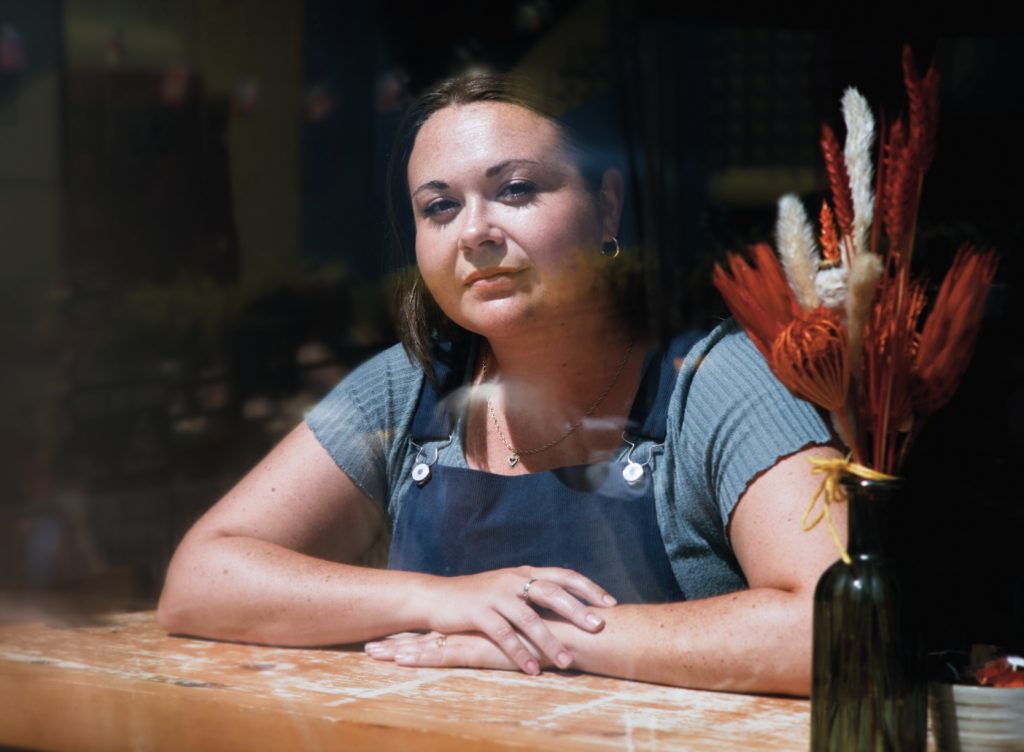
(611, 248)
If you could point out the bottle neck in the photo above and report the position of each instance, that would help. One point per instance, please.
(870, 515)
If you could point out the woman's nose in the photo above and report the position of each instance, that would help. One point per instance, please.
(479, 228)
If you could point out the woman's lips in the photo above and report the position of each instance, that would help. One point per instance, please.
(494, 277)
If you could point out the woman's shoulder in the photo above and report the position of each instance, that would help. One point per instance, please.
(726, 365)
(392, 360)
(726, 343)
(387, 377)
(733, 417)
(361, 420)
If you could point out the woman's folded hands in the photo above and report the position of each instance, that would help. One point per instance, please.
(496, 619)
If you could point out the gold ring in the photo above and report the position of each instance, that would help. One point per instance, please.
(526, 589)
(440, 642)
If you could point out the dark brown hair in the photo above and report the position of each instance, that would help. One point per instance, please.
(422, 325)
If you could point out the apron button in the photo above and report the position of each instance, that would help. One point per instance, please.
(421, 473)
(633, 473)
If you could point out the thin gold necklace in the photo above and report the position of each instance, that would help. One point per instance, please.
(516, 454)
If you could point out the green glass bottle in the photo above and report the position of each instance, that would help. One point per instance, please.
(868, 692)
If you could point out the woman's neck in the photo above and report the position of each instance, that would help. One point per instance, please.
(536, 387)
(561, 365)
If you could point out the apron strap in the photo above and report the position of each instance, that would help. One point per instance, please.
(452, 365)
(649, 416)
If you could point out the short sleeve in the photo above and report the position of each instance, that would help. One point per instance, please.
(363, 421)
(739, 420)
(729, 420)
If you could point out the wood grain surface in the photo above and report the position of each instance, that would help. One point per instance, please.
(120, 683)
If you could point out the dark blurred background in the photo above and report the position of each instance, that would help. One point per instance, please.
(192, 231)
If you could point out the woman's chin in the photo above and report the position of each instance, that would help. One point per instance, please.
(501, 317)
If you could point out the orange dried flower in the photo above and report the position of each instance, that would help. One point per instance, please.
(828, 240)
(809, 358)
(838, 180)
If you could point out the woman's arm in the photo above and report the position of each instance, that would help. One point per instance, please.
(756, 640)
(273, 562)
(263, 564)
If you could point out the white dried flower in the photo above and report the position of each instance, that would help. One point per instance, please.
(860, 135)
(865, 271)
(830, 285)
(795, 241)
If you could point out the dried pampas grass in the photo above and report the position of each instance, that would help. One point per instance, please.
(795, 240)
(860, 136)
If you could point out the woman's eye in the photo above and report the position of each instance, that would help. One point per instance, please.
(519, 190)
(439, 208)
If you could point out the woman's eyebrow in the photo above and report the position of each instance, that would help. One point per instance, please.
(438, 185)
(502, 166)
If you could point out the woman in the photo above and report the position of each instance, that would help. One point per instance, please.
(559, 495)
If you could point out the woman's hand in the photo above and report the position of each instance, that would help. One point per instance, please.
(434, 650)
(501, 605)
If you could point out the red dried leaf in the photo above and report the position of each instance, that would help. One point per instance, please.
(923, 96)
(894, 156)
(758, 296)
(890, 339)
(907, 148)
(947, 339)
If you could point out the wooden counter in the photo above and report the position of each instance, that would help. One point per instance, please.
(119, 683)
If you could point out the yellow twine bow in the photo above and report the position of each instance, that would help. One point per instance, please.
(833, 470)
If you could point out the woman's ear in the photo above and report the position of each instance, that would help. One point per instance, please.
(610, 201)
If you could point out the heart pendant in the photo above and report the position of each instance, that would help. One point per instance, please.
(513, 459)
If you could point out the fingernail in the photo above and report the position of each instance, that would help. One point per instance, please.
(609, 601)
(532, 667)
(372, 647)
(405, 657)
(563, 659)
(593, 621)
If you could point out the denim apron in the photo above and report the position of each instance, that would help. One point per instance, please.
(599, 520)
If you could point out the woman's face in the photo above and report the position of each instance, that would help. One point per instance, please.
(507, 234)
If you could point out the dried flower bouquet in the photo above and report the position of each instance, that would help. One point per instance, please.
(839, 318)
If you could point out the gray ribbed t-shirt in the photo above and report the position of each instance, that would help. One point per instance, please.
(729, 420)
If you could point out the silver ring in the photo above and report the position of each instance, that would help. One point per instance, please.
(440, 641)
(526, 589)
